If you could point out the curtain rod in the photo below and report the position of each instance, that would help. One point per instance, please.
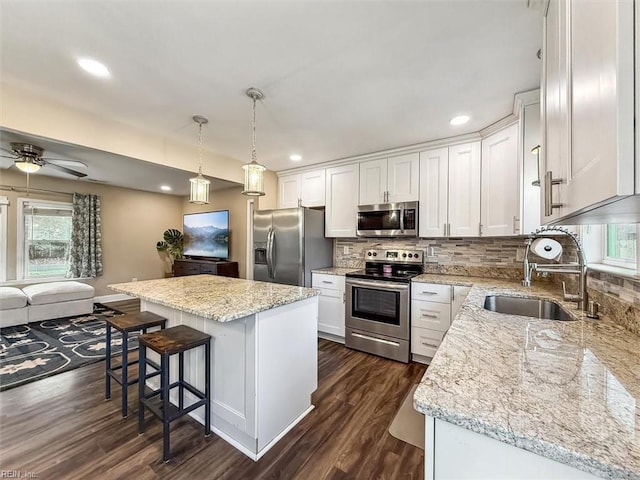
(34, 190)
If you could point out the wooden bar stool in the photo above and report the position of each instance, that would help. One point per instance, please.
(168, 342)
(136, 322)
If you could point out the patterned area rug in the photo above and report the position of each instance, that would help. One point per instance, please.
(41, 349)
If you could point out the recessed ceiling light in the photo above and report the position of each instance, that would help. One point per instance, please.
(459, 120)
(295, 157)
(165, 188)
(94, 67)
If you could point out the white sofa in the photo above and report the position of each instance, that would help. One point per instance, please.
(13, 307)
(44, 301)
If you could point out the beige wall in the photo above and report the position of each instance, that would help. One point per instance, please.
(132, 222)
(27, 112)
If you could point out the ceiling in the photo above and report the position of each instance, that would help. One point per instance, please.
(340, 78)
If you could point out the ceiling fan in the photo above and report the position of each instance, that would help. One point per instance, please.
(28, 158)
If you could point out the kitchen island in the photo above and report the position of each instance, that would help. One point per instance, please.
(513, 397)
(264, 351)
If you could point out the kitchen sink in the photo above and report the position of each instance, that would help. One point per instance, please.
(529, 307)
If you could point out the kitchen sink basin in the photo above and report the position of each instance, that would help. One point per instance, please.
(529, 307)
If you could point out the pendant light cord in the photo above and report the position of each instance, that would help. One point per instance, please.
(254, 155)
(199, 148)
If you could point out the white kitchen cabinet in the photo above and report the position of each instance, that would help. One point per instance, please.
(530, 166)
(450, 191)
(341, 201)
(433, 308)
(456, 453)
(288, 191)
(434, 193)
(331, 304)
(500, 197)
(587, 107)
(556, 121)
(602, 102)
(306, 189)
(389, 180)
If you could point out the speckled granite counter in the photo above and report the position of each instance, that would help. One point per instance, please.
(342, 271)
(218, 298)
(568, 391)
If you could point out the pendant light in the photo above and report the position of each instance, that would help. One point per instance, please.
(199, 185)
(253, 171)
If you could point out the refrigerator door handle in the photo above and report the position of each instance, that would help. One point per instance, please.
(273, 254)
(270, 262)
(269, 253)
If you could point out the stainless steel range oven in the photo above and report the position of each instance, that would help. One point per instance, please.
(378, 303)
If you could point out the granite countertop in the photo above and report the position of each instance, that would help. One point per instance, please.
(568, 391)
(341, 271)
(222, 299)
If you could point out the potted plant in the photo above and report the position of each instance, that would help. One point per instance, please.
(170, 248)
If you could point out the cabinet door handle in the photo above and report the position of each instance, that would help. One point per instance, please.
(427, 292)
(549, 181)
(427, 344)
(327, 281)
(444, 233)
(515, 220)
(429, 315)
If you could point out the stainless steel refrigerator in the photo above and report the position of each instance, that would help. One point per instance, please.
(288, 244)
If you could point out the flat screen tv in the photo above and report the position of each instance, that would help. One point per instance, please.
(206, 235)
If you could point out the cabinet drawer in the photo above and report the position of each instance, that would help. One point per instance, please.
(324, 280)
(425, 342)
(211, 269)
(330, 292)
(431, 315)
(431, 292)
(180, 269)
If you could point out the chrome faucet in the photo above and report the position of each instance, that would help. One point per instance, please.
(579, 268)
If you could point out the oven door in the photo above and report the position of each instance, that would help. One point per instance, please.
(378, 307)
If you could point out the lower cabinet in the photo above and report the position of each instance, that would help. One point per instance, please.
(456, 453)
(331, 303)
(433, 308)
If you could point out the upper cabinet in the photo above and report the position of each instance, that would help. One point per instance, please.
(500, 199)
(450, 191)
(389, 180)
(587, 107)
(306, 189)
(341, 201)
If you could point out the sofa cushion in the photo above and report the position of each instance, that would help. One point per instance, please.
(56, 292)
(12, 297)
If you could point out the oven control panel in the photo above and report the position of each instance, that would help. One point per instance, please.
(394, 256)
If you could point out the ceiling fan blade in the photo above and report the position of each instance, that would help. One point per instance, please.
(6, 150)
(12, 158)
(67, 170)
(65, 163)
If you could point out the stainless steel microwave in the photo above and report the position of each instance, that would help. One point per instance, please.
(388, 220)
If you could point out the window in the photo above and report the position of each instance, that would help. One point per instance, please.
(44, 234)
(621, 245)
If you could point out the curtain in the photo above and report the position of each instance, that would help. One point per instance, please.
(85, 248)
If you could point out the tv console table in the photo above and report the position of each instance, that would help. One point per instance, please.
(188, 266)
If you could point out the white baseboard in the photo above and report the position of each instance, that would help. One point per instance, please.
(116, 297)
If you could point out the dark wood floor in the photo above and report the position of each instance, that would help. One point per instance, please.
(62, 428)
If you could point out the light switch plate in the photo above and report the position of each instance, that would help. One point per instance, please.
(345, 250)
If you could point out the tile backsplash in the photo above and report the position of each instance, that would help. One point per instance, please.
(501, 257)
(500, 252)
